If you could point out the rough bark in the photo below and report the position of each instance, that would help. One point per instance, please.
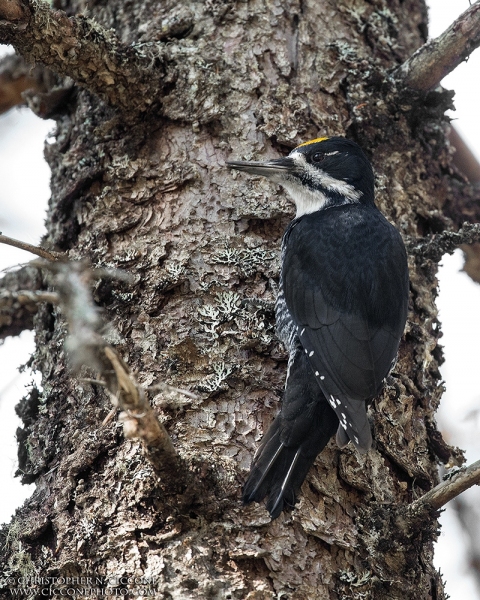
(151, 195)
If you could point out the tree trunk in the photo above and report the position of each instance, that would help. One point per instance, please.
(147, 191)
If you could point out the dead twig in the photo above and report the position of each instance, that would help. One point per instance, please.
(411, 518)
(17, 309)
(139, 420)
(165, 387)
(427, 67)
(20, 295)
(87, 347)
(447, 490)
(92, 381)
(464, 159)
(23, 297)
(15, 79)
(37, 250)
(157, 387)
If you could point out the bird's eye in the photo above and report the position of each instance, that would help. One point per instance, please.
(318, 157)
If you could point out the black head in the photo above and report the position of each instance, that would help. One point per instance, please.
(341, 159)
(320, 173)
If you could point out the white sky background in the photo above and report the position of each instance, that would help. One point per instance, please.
(459, 304)
(24, 192)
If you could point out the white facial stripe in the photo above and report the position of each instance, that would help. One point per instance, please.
(308, 200)
(326, 181)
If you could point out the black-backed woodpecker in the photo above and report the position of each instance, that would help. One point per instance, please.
(341, 310)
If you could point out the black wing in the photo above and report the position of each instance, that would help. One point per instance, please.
(345, 280)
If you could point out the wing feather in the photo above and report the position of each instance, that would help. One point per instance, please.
(345, 281)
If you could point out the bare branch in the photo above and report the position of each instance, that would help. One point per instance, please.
(37, 87)
(26, 297)
(14, 80)
(17, 309)
(463, 201)
(86, 346)
(92, 381)
(464, 159)
(37, 250)
(413, 516)
(447, 490)
(427, 67)
(83, 50)
(157, 387)
(165, 387)
(18, 300)
(435, 246)
(464, 198)
(139, 420)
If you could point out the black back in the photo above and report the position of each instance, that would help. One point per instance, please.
(345, 280)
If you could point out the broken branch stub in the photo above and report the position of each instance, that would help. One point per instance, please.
(426, 68)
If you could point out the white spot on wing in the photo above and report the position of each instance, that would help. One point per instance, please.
(335, 402)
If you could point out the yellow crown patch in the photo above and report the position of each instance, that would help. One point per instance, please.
(320, 139)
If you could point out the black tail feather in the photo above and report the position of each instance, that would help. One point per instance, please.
(254, 489)
(289, 448)
(279, 471)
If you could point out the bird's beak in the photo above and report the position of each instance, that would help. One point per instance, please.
(275, 168)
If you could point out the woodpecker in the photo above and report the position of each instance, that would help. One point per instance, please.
(341, 311)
